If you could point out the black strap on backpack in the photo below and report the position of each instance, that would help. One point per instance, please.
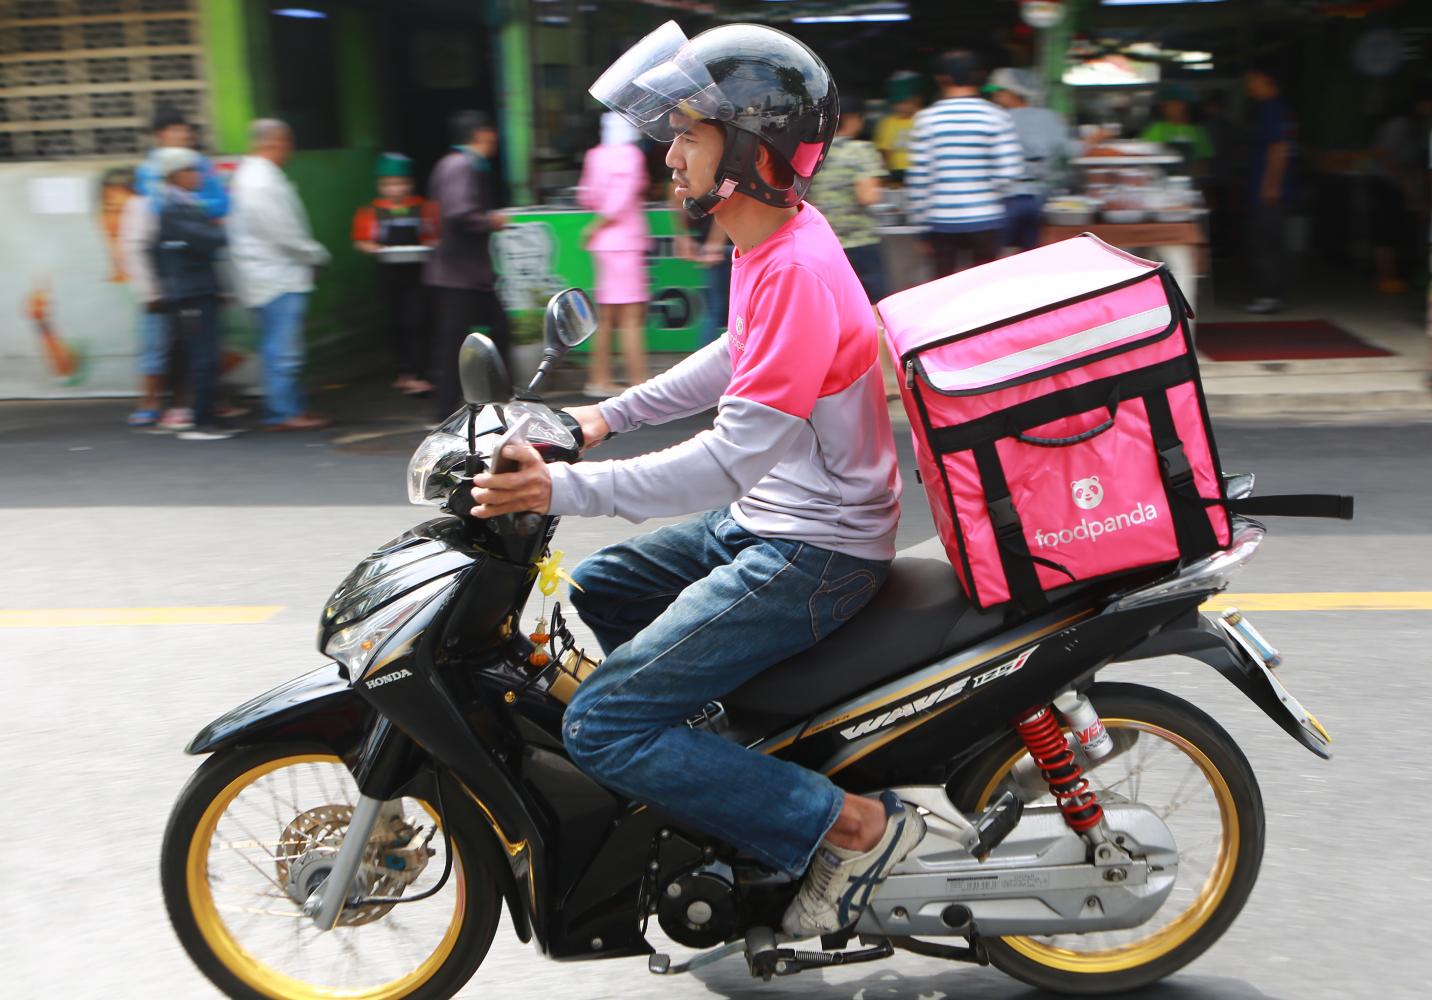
(1014, 553)
(1191, 527)
(1292, 505)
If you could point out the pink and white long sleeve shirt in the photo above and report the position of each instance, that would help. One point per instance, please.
(801, 447)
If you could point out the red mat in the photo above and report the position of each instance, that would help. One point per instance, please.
(1280, 340)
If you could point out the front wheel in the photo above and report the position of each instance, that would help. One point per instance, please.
(254, 832)
(1184, 766)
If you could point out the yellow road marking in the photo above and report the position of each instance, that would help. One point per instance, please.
(253, 614)
(1384, 600)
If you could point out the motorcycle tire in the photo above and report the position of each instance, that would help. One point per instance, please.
(1142, 961)
(188, 894)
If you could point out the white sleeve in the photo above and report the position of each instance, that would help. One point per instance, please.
(712, 469)
(693, 385)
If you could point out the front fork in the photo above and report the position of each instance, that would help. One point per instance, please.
(383, 766)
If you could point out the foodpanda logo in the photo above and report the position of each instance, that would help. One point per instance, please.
(1088, 494)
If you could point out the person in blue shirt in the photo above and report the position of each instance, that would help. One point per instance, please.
(172, 129)
(1269, 178)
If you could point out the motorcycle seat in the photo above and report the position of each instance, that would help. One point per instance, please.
(919, 614)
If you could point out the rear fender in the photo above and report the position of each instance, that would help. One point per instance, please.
(1202, 640)
(316, 707)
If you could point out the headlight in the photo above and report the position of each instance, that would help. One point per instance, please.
(357, 646)
(437, 466)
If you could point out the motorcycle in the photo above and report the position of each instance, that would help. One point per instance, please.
(358, 830)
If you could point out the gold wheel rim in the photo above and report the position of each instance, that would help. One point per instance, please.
(248, 968)
(1186, 924)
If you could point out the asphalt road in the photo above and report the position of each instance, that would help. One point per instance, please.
(93, 516)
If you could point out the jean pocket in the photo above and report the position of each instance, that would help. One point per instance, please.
(843, 591)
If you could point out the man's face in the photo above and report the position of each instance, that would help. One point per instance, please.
(1005, 99)
(278, 146)
(174, 136)
(693, 158)
(188, 179)
(484, 140)
(394, 188)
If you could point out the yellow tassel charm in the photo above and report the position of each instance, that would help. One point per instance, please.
(551, 575)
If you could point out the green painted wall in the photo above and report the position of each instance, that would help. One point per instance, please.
(226, 50)
(515, 101)
(331, 182)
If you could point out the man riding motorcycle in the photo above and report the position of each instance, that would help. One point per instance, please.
(801, 450)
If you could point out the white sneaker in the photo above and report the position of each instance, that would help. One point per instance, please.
(838, 886)
(1264, 305)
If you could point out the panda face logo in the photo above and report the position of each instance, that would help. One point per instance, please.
(1088, 494)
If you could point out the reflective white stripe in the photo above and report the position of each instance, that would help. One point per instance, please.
(1050, 354)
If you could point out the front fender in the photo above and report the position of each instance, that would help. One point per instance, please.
(1202, 640)
(318, 706)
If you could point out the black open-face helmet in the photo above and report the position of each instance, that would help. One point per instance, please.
(760, 85)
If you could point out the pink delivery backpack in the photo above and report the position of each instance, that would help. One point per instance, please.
(1060, 428)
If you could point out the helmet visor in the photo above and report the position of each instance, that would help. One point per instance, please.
(660, 86)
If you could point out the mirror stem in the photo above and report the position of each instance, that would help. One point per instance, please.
(549, 358)
(471, 467)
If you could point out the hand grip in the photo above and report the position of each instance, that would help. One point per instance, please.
(1062, 442)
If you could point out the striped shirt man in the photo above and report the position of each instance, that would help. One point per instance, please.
(965, 154)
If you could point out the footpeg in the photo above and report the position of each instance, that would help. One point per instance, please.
(997, 823)
(766, 960)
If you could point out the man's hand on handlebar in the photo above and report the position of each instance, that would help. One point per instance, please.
(593, 424)
(527, 489)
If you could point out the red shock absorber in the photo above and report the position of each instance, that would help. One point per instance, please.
(1050, 750)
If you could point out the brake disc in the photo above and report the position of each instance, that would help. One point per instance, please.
(393, 859)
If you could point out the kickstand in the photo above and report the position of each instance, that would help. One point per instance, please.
(765, 959)
(660, 965)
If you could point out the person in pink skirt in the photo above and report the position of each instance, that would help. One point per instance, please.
(613, 181)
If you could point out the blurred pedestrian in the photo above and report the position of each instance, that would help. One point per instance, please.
(1174, 126)
(892, 132)
(847, 187)
(397, 218)
(186, 242)
(613, 186)
(1269, 184)
(964, 154)
(171, 130)
(460, 269)
(1397, 196)
(275, 255)
(1046, 141)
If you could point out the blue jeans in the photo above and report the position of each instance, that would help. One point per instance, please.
(153, 343)
(196, 326)
(281, 350)
(1023, 214)
(686, 614)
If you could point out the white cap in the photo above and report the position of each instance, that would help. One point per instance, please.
(1016, 81)
(170, 159)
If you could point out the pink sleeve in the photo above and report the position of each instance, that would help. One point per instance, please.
(587, 195)
(792, 329)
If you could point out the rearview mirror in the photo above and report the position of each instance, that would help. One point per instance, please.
(571, 318)
(481, 371)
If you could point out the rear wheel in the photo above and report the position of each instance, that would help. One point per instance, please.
(1185, 767)
(254, 832)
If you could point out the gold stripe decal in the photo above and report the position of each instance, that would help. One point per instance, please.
(923, 683)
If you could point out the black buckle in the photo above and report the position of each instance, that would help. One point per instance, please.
(1175, 464)
(1004, 516)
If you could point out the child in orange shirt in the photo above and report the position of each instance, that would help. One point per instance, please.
(397, 218)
